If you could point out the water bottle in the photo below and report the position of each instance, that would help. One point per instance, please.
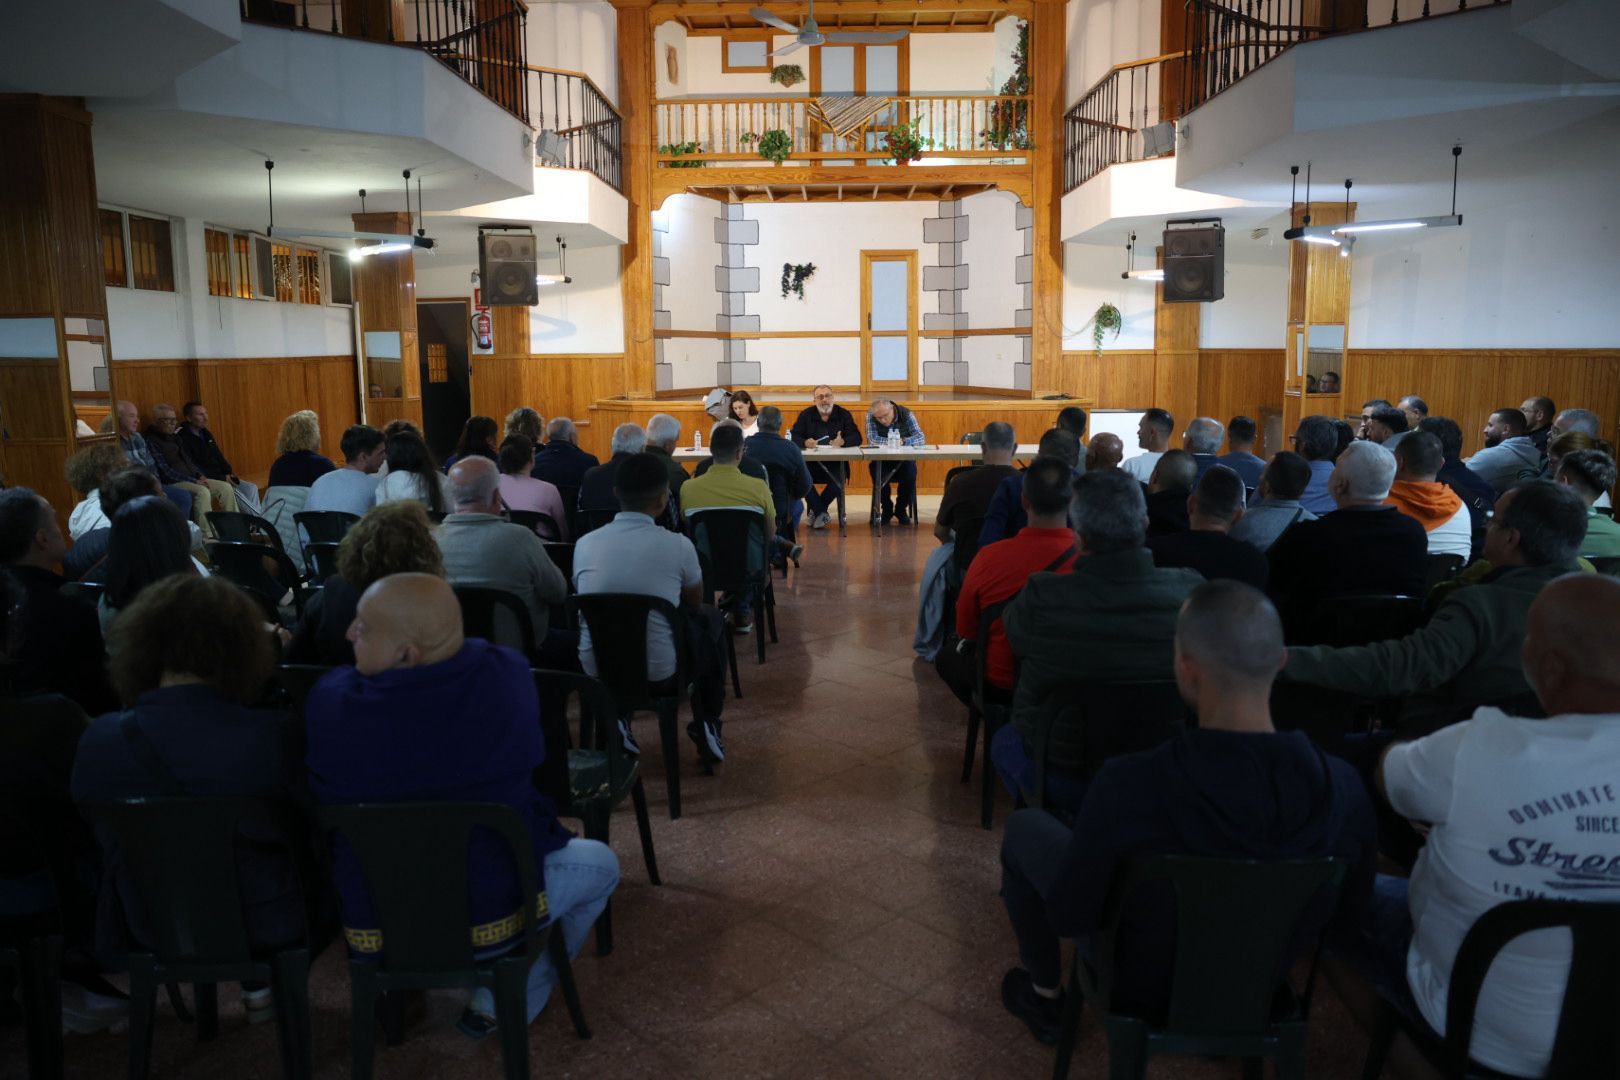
(697, 440)
(894, 438)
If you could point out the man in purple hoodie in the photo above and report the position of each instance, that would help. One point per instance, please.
(1232, 788)
(425, 715)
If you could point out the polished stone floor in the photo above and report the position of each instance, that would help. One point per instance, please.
(829, 903)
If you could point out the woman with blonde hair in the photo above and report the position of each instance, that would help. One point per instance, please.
(299, 462)
(526, 422)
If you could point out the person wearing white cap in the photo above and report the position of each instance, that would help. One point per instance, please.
(717, 403)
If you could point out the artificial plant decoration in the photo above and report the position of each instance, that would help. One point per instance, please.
(794, 276)
(905, 142)
(1009, 119)
(1107, 318)
(787, 74)
(775, 145)
(678, 149)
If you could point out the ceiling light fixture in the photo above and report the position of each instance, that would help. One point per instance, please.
(562, 265)
(1131, 272)
(1318, 234)
(383, 243)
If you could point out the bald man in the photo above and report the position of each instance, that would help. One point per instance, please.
(1168, 491)
(1105, 451)
(1514, 808)
(425, 715)
(1233, 787)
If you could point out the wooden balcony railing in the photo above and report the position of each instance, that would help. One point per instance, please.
(692, 132)
(1105, 127)
(482, 42)
(576, 126)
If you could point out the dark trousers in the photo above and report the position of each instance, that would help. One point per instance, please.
(705, 638)
(1032, 850)
(831, 479)
(1064, 792)
(904, 477)
(180, 497)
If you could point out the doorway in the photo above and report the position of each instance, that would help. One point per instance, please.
(889, 321)
(871, 70)
(445, 331)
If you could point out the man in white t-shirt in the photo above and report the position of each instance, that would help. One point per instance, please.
(1153, 436)
(1517, 809)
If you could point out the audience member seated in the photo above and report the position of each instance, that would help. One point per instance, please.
(1343, 435)
(1590, 473)
(631, 554)
(135, 449)
(477, 439)
(351, 489)
(412, 474)
(1233, 787)
(87, 470)
(663, 437)
(176, 467)
(1072, 418)
(1417, 494)
(1202, 440)
(717, 403)
(745, 412)
(1568, 443)
(969, 493)
(1509, 455)
(1329, 383)
(393, 538)
(121, 486)
(596, 490)
(1005, 515)
(1368, 410)
(883, 417)
(748, 465)
(1317, 441)
(1416, 410)
(187, 658)
(425, 715)
(148, 542)
(1046, 544)
(1467, 654)
(1111, 618)
(1168, 490)
(1365, 546)
(825, 423)
(1215, 505)
(1240, 456)
(203, 449)
(59, 648)
(526, 422)
(1153, 436)
(787, 474)
(1538, 417)
(1276, 506)
(299, 461)
(521, 491)
(1575, 420)
(1479, 790)
(481, 548)
(1387, 427)
(560, 461)
(1104, 452)
(1477, 495)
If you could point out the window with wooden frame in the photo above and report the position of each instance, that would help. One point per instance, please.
(242, 266)
(284, 271)
(746, 54)
(438, 358)
(113, 269)
(309, 276)
(151, 254)
(217, 247)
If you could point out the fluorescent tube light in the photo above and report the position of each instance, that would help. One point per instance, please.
(553, 279)
(1317, 238)
(385, 248)
(1155, 274)
(1399, 223)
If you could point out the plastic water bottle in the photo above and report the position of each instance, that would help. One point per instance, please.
(894, 438)
(697, 440)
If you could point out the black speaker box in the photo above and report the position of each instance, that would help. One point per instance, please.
(1194, 264)
(506, 269)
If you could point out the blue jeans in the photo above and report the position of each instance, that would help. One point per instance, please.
(180, 497)
(1017, 771)
(579, 879)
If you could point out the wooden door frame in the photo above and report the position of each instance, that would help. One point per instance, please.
(909, 257)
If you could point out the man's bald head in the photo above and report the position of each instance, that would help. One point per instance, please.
(1176, 471)
(405, 620)
(1105, 452)
(475, 485)
(1571, 651)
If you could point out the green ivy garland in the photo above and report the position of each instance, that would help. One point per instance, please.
(794, 276)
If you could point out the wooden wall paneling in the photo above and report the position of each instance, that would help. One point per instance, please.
(31, 391)
(75, 223)
(1175, 387)
(510, 330)
(1239, 382)
(1047, 46)
(25, 227)
(329, 389)
(150, 382)
(1125, 378)
(385, 288)
(38, 464)
(1327, 285)
(636, 94)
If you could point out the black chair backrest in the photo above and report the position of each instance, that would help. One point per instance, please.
(972, 438)
(84, 590)
(733, 548)
(1359, 620)
(325, 526)
(1588, 1040)
(1606, 564)
(244, 565)
(181, 856)
(597, 727)
(590, 520)
(413, 857)
(322, 559)
(618, 627)
(570, 501)
(495, 615)
(1236, 920)
(967, 528)
(1440, 568)
(541, 524)
(1606, 511)
(1113, 718)
(241, 527)
(562, 557)
(988, 617)
(297, 680)
(777, 477)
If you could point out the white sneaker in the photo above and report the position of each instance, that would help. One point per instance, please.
(820, 520)
(85, 1012)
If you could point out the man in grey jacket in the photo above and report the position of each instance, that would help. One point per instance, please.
(1276, 505)
(1509, 455)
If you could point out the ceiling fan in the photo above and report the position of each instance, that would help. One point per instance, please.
(810, 35)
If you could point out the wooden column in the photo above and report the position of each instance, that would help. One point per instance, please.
(385, 293)
(50, 272)
(637, 91)
(1175, 357)
(1318, 312)
(1046, 44)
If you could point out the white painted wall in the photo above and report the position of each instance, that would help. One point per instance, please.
(1102, 33)
(669, 35)
(1251, 315)
(1091, 277)
(957, 63)
(991, 253)
(690, 297)
(832, 237)
(577, 35)
(705, 79)
(991, 359)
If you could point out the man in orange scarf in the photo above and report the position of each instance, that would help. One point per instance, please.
(1417, 494)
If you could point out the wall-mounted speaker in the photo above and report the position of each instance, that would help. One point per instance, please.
(1194, 262)
(506, 269)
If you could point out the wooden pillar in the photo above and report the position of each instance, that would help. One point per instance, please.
(1175, 357)
(50, 272)
(636, 95)
(1318, 317)
(385, 293)
(1046, 43)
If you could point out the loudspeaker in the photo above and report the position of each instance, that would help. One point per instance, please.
(506, 269)
(1194, 264)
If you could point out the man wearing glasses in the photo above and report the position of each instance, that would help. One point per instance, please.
(826, 423)
(174, 466)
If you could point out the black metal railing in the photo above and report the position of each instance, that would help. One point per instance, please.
(576, 127)
(1105, 127)
(483, 42)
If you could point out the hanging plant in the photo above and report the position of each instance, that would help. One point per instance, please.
(794, 276)
(787, 74)
(905, 142)
(677, 149)
(775, 145)
(1107, 318)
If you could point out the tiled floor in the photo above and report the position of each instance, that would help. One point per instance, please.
(829, 904)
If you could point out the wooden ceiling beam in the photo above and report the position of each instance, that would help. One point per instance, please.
(793, 12)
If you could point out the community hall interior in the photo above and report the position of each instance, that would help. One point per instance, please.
(1175, 288)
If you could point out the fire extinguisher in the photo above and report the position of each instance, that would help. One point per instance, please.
(482, 329)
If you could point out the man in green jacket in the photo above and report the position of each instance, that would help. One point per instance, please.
(1111, 619)
(1467, 654)
(1589, 473)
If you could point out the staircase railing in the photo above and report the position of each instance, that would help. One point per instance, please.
(1104, 127)
(576, 127)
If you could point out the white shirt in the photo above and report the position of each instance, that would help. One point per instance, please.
(398, 486)
(87, 516)
(632, 554)
(1141, 466)
(1521, 809)
(751, 427)
(1454, 536)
